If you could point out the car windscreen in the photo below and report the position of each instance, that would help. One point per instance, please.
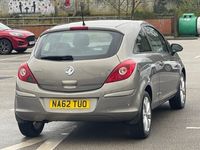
(3, 27)
(78, 45)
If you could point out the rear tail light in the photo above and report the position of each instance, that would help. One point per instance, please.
(122, 71)
(25, 74)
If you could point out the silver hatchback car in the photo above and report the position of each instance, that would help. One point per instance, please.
(113, 70)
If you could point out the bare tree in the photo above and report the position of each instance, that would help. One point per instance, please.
(124, 6)
(135, 4)
(117, 5)
(188, 6)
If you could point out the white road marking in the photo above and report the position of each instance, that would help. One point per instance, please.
(25, 144)
(193, 128)
(52, 143)
(197, 57)
(49, 143)
(11, 58)
(11, 110)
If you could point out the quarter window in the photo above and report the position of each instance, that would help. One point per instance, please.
(156, 40)
(142, 44)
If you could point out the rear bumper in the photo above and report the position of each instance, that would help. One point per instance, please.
(111, 105)
(108, 109)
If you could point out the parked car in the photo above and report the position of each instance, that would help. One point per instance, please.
(103, 71)
(13, 39)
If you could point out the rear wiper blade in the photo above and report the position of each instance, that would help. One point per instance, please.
(68, 57)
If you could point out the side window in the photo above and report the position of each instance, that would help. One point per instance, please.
(142, 44)
(156, 41)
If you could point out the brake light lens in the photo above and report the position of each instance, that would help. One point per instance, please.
(25, 74)
(79, 28)
(123, 71)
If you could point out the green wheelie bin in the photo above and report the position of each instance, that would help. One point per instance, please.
(187, 25)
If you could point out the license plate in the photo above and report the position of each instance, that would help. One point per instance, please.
(31, 42)
(69, 104)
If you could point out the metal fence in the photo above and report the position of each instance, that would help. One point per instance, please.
(31, 21)
(50, 20)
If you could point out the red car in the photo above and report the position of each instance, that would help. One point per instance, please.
(12, 39)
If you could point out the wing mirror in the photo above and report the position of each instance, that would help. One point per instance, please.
(176, 48)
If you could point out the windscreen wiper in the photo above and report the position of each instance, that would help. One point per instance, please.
(58, 58)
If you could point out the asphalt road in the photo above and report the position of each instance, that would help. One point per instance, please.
(171, 130)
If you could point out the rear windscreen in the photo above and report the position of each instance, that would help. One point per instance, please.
(78, 45)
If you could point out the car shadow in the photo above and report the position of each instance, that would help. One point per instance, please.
(163, 110)
(16, 53)
(98, 132)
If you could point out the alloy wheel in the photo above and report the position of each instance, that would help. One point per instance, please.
(182, 90)
(5, 46)
(146, 114)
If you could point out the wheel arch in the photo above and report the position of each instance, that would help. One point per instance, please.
(184, 73)
(1, 38)
(148, 89)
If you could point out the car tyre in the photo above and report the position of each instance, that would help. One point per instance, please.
(5, 47)
(179, 100)
(21, 50)
(31, 128)
(142, 128)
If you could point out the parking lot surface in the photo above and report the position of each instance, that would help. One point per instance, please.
(171, 130)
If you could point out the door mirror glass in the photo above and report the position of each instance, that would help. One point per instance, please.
(176, 48)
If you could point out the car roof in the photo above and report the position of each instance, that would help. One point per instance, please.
(116, 25)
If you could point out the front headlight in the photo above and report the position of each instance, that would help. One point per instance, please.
(17, 34)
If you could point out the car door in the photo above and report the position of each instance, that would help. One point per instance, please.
(169, 74)
(150, 62)
(169, 77)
